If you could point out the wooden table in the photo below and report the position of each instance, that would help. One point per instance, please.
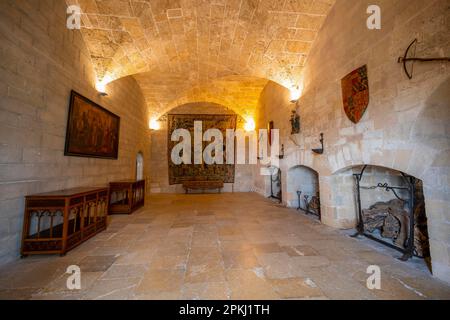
(126, 196)
(56, 222)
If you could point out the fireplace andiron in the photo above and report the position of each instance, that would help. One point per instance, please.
(407, 248)
(313, 203)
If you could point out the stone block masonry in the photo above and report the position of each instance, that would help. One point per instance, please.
(41, 61)
(404, 127)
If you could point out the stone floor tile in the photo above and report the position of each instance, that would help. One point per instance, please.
(113, 289)
(138, 256)
(205, 272)
(238, 246)
(276, 265)
(291, 288)
(241, 259)
(155, 281)
(206, 291)
(247, 285)
(120, 271)
(299, 251)
(260, 249)
(97, 263)
(166, 262)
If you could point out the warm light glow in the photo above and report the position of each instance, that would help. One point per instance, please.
(154, 124)
(101, 85)
(296, 93)
(250, 125)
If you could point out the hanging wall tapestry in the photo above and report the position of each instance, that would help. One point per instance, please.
(189, 172)
(355, 93)
(92, 131)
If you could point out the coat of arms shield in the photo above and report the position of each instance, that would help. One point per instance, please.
(355, 93)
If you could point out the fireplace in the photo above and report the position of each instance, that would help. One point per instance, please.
(391, 210)
(303, 190)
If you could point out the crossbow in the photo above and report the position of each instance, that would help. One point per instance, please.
(406, 59)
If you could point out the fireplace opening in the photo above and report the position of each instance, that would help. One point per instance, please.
(303, 190)
(391, 210)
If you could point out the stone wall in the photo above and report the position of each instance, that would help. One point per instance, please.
(41, 61)
(159, 177)
(406, 126)
(273, 106)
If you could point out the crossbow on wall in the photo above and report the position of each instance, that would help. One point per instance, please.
(410, 57)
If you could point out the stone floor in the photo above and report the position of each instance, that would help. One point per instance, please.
(228, 246)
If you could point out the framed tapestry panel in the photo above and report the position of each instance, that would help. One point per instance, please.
(189, 172)
(92, 131)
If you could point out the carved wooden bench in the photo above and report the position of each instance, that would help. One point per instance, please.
(203, 185)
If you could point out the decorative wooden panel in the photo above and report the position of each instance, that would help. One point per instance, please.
(56, 222)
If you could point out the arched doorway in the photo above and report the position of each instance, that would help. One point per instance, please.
(139, 166)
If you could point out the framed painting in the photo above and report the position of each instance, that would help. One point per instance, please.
(92, 131)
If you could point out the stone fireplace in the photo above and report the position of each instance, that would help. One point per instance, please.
(303, 189)
(391, 210)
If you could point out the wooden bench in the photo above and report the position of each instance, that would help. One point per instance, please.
(203, 185)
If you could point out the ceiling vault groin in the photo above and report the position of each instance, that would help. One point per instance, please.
(182, 47)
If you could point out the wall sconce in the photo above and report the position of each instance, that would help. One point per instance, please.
(319, 151)
(101, 85)
(154, 124)
(281, 156)
(250, 125)
(295, 94)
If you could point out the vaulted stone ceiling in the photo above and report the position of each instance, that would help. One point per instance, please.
(178, 47)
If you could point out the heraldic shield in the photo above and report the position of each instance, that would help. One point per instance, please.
(355, 93)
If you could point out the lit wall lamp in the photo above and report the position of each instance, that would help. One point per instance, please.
(154, 124)
(296, 92)
(250, 125)
(101, 85)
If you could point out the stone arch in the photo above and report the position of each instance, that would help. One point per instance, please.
(345, 200)
(239, 93)
(341, 204)
(304, 179)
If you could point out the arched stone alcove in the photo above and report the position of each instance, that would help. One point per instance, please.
(380, 202)
(301, 179)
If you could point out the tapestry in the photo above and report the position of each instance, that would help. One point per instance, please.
(355, 93)
(199, 172)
